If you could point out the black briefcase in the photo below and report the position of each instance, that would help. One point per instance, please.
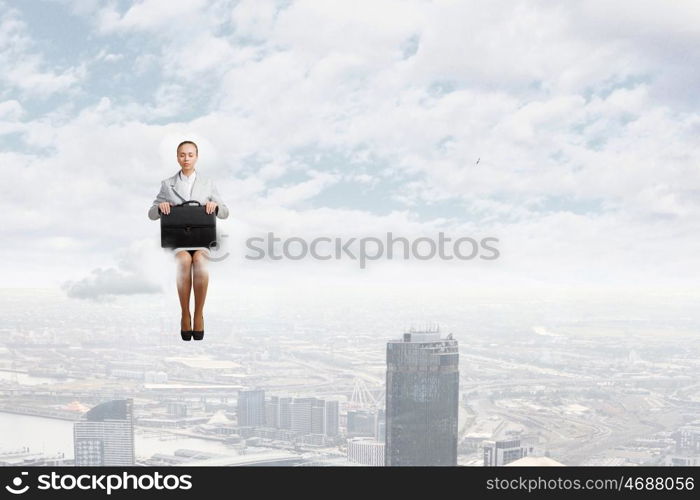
(188, 225)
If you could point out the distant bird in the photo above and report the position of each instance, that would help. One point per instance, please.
(477, 161)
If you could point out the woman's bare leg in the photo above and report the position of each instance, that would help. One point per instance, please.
(201, 283)
(184, 286)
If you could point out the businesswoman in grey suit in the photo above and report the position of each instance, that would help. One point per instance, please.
(192, 271)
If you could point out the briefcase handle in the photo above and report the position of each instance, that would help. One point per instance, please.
(182, 204)
(216, 210)
(185, 203)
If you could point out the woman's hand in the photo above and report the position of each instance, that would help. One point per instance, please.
(210, 207)
(164, 207)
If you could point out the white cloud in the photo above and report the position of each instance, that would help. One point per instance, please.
(106, 56)
(177, 15)
(294, 193)
(254, 20)
(24, 68)
(141, 269)
(583, 150)
(11, 110)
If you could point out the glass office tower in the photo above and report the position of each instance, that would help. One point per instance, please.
(422, 397)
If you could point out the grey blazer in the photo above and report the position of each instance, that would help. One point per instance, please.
(203, 190)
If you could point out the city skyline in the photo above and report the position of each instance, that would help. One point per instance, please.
(585, 387)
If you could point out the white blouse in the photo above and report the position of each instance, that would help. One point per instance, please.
(186, 182)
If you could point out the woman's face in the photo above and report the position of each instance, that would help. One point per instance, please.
(187, 156)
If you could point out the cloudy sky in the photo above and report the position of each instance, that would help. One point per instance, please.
(354, 119)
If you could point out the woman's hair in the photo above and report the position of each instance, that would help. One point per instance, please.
(188, 142)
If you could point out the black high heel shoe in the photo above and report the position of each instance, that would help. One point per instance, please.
(197, 334)
(186, 334)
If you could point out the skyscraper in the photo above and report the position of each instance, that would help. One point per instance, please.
(285, 412)
(422, 397)
(106, 436)
(366, 451)
(497, 453)
(272, 412)
(301, 415)
(318, 416)
(251, 408)
(332, 416)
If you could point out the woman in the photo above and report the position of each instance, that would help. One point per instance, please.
(192, 272)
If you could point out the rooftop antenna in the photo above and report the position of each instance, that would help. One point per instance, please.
(428, 328)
